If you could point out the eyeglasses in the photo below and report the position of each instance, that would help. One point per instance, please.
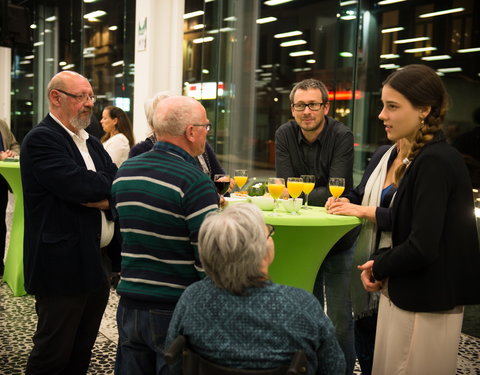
(81, 97)
(312, 106)
(208, 125)
(271, 230)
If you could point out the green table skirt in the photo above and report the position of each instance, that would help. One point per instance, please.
(302, 242)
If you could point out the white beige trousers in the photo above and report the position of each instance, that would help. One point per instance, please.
(409, 343)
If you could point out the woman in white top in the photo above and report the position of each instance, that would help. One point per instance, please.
(118, 138)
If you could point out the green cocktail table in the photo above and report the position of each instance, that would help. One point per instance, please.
(13, 274)
(302, 242)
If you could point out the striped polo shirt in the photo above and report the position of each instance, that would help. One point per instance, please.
(161, 198)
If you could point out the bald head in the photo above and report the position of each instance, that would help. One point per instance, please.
(69, 96)
(175, 113)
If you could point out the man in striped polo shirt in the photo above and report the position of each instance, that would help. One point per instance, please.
(162, 198)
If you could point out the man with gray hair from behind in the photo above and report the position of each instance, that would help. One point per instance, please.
(162, 198)
(237, 317)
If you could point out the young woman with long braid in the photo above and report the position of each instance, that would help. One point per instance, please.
(432, 268)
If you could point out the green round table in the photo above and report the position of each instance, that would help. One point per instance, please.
(13, 274)
(302, 242)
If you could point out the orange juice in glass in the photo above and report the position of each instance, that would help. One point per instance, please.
(275, 188)
(294, 186)
(240, 176)
(336, 186)
(308, 186)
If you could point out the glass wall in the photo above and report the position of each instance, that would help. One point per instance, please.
(350, 45)
(94, 38)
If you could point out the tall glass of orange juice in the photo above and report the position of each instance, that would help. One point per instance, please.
(308, 186)
(336, 186)
(275, 186)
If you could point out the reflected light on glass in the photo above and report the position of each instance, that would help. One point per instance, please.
(301, 53)
(389, 66)
(311, 61)
(33, 26)
(266, 20)
(51, 19)
(435, 58)
(467, 50)
(293, 43)
(198, 26)
(203, 40)
(68, 66)
(276, 2)
(348, 17)
(450, 70)
(95, 14)
(113, 28)
(288, 34)
(118, 63)
(386, 2)
(345, 54)
(392, 30)
(193, 14)
(411, 40)
(423, 49)
(29, 57)
(345, 3)
(62, 63)
(441, 12)
(390, 56)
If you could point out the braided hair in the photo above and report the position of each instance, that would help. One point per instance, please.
(422, 87)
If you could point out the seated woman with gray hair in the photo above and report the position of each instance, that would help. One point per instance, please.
(236, 316)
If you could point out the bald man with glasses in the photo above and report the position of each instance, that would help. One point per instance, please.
(67, 177)
(316, 144)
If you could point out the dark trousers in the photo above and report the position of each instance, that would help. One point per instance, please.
(365, 330)
(3, 226)
(66, 332)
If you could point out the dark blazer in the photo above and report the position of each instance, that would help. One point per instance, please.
(435, 260)
(62, 237)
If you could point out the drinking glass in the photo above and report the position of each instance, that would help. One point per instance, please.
(240, 176)
(222, 183)
(308, 186)
(336, 186)
(295, 187)
(275, 188)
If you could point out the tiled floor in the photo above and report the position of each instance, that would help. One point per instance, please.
(18, 320)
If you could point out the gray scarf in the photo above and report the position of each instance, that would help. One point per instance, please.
(365, 303)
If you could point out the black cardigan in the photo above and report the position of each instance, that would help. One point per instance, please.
(434, 264)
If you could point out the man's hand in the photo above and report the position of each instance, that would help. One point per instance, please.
(102, 205)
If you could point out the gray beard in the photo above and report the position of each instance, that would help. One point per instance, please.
(80, 124)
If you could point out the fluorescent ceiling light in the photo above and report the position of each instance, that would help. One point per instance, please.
(267, 66)
(69, 66)
(203, 40)
(346, 54)
(231, 19)
(62, 63)
(386, 2)
(300, 53)
(29, 57)
(276, 2)
(193, 14)
(392, 30)
(51, 19)
(441, 12)
(411, 40)
(423, 49)
(266, 20)
(36, 44)
(348, 17)
(390, 56)
(113, 28)
(33, 26)
(205, 71)
(267, 74)
(29, 75)
(293, 43)
(449, 70)
(466, 50)
(389, 66)
(288, 34)
(119, 75)
(25, 62)
(198, 26)
(118, 63)
(89, 1)
(345, 3)
(310, 61)
(438, 57)
(95, 14)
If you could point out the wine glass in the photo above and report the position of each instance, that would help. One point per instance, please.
(308, 186)
(222, 183)
(240, 176)
(294, 186)
(336, 186)
(275, 188)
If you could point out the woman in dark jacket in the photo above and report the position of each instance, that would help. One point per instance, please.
(431, 269)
